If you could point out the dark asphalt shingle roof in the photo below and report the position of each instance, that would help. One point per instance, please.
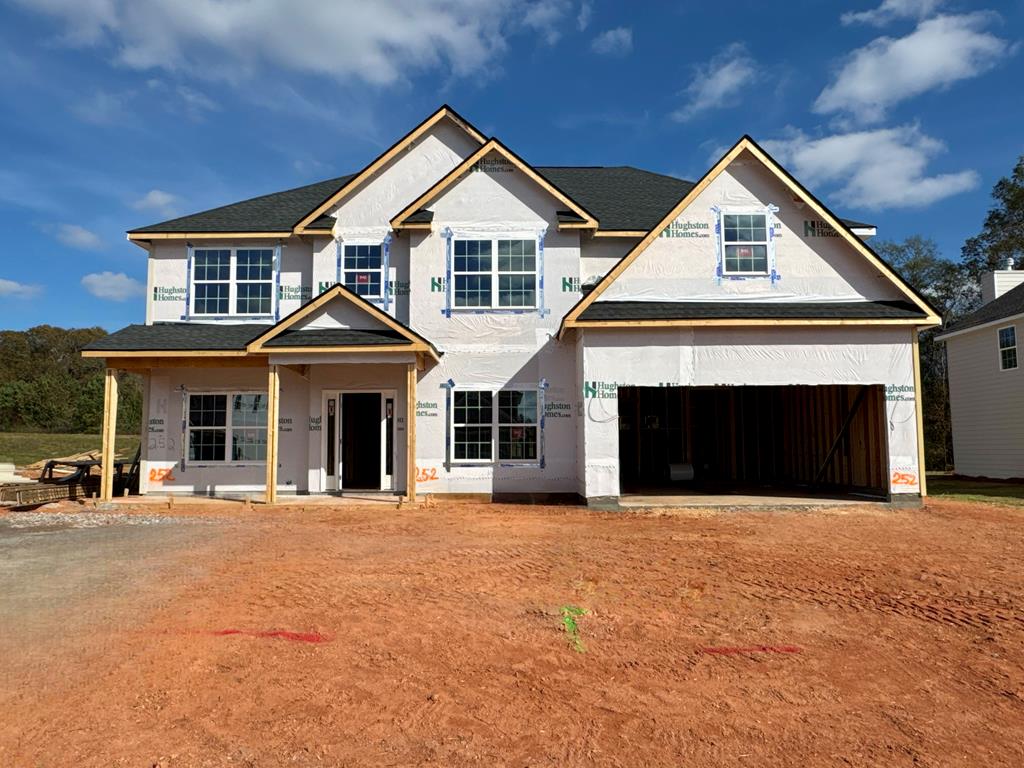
(621, 197)
(168, 336)
(277, 212)
(1009, 304)
(232, 337)
(747, 310)
(335, 337)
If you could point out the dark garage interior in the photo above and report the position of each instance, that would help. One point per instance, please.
(754, 439)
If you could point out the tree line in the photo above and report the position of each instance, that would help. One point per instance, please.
(954, 289)
(47, 386)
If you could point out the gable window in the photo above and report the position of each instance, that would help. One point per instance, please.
(363, 270)
(229, 281)
(217, 433)
(1008, 348)
(745, 243)
(499, 273)
(486, 424)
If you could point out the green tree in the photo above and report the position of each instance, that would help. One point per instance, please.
(1002, 234)
(47, 386)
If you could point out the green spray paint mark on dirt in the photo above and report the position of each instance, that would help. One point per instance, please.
(569, 615)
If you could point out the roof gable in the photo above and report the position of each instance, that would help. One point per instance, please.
(356, 181)
(303, 321)
(582, 218)
(756, 154)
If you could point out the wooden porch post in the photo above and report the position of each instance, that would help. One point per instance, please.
(109, 435)
(410, 433)
(919, 412)
(273, 393)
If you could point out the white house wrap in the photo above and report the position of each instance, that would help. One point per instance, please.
(454, 320)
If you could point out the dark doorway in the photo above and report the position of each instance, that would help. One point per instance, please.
(815, 439)
(360, 441)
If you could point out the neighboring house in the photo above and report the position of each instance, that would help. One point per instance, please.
(454, 320)
(986, 382)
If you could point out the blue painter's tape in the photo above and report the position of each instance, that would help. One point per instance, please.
(337, 257)
(277, 282)
(188, 280)
(386, 277)
(448, 287)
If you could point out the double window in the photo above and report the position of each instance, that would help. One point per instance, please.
(362, 270)
(745, 243)
(233, 281)
(1008, 348)
(227, 427)
(504, 423)
(495, 273)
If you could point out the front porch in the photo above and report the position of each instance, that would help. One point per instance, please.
(324, 401)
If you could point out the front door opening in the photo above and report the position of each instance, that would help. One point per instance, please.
(361, 441)
(771, 439)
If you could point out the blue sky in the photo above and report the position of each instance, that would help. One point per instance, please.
(121, 113)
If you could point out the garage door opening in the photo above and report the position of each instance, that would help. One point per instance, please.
(771, 440)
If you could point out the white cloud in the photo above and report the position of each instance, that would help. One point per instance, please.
(544, 16)
(113, 286)
(890, 10)
(102, 108)
(379, 43)
(164, 203)
(613, 42)
(79, 237)
(11, 289)
(938, 53)
(717, 83)
(875, 169)
(195, 104)
(583, 17)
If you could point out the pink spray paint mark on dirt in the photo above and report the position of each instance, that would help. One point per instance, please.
(278, 634)
(726, 650)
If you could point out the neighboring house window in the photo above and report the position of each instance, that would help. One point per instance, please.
(745, 243)
(363, 270)
(214, 429)
(497, 273)
(1008, 348)
(481, 417)
(233, 282)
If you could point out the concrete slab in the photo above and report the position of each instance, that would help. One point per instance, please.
(735, 500)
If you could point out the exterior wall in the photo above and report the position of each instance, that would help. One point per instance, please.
(987, 405)
(494, 349)
(165, 468)
(599, 254)
(737, 357)
(812, 262)
(169, 292)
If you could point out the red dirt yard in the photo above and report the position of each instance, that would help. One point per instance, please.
(215, 636)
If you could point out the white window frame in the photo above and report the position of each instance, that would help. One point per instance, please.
(229, 428)
(232, 281)
(495, 273)
(766, 242)
(495, 425)
(383, 267)
(1001, 348)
